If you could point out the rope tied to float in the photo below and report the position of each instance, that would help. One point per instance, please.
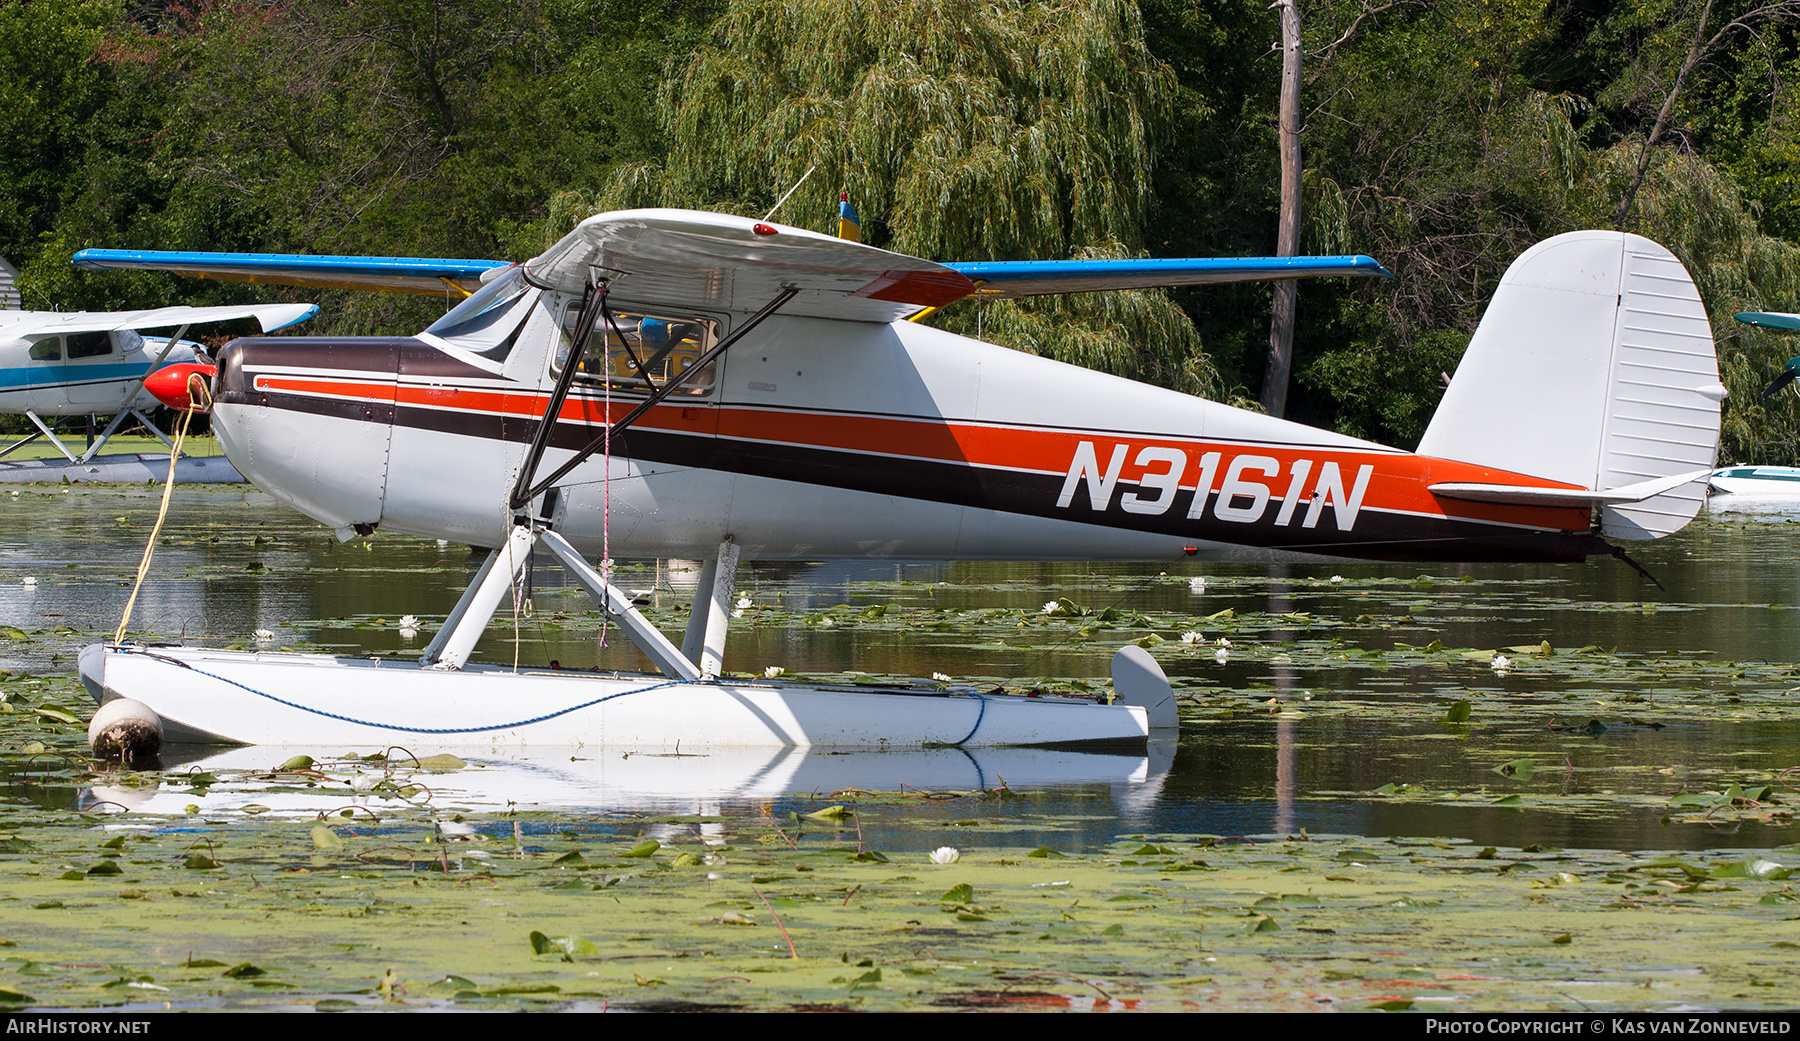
(199, 400)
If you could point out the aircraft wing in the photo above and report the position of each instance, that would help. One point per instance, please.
(714, 260)
(1019, 278)
(418, 275)
(687, 258)
(30, 324)
(1770, 319)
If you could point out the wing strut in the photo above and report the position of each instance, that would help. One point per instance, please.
(593, 305)
(524, 492)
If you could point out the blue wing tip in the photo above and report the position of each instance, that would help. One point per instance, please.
(1769, 320)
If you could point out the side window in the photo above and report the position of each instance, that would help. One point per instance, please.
(47, 349)
(640, 352)
(89, 345)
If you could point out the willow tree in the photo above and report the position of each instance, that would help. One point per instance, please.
(963, 130)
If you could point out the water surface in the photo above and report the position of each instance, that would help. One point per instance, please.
(1325, 713)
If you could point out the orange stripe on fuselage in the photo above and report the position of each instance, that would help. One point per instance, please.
(1399, 481)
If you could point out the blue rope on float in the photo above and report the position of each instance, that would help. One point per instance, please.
(407, 729)
(979, 716)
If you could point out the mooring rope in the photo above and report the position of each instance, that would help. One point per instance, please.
(199, 398)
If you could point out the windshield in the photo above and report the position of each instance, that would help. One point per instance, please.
(487, 322)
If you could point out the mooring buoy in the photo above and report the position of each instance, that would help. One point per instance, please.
(126, 730)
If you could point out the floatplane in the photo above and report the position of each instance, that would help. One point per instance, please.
(1750, 485)
(724, 388)
(86, 363)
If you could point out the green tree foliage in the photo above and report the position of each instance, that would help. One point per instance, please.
(1441, 136)
(964, 130)
(411, 127)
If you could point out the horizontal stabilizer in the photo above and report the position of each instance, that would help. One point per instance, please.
(1019, 278)
(418, 275)
(1517, 495)
(29, 325)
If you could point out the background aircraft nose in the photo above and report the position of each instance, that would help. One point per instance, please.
(175, 386)
(308, 420)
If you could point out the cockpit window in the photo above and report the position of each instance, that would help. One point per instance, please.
(89, 345)
(642, 352)
(488, 322)
(47, 349)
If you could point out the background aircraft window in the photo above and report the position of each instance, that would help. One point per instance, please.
(664, 347)
(89, 345)
(47, 349)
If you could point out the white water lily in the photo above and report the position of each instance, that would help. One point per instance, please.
(1051, 606)
(264, 636)
(409, 621)
(1223, 642)
(1222, 655)
(28, 580)
(745, 603)
(1500, 664)
(940, 677)
(1197, 586)
(773, 671)
(945, 855)
(1336, 579)
(1194, 638)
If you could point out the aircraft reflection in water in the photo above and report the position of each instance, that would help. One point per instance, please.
(720, 388)
(694, 783)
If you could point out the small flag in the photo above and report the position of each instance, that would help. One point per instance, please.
(848, 226)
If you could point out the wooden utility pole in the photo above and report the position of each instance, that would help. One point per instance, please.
(1287, 241)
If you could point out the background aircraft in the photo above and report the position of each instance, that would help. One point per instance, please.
(94, 363)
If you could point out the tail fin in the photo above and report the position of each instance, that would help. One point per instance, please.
(1593, 366)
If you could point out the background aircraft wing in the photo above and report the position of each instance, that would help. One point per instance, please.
(685, 258)
(49, 323)
(1769, 319)
(1017, 278)
(419, 275)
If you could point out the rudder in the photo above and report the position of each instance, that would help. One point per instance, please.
(1593, 365)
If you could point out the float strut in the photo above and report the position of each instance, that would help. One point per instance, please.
(718, 610)
(617, 604)
(450, 648)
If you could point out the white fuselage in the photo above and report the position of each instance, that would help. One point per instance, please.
(80, 374)
(829, 438)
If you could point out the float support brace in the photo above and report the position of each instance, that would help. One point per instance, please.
(111, 429)
(695, 638)
(718, 613)
(20, 443)
(617, 603)
(51, 434)
(450, 648)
